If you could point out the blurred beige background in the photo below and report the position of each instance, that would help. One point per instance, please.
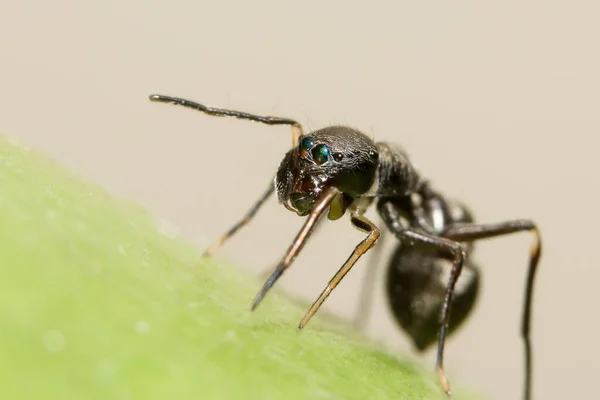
(497, 102)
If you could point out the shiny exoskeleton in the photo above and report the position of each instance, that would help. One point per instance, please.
(339, 170)
(418, 275)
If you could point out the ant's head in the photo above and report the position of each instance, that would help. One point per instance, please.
(337, 157)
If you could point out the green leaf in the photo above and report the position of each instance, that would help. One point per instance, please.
(97, 303)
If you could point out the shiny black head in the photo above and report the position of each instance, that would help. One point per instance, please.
(337, 157)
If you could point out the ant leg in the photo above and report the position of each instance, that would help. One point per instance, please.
(321, 205)
(222, 112)
(244, 221)
(363, 224)
(392, 217)
(471, 232)
(368, 286)
(268, 271)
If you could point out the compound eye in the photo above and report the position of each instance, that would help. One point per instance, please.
(306, 144)
(320, 154)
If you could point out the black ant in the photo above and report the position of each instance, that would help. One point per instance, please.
(341, 170)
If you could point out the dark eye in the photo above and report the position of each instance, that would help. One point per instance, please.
(320, 154)
(306, 144)
(338, 157)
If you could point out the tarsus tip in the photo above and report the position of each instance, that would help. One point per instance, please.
(257, 301)
(268, 284)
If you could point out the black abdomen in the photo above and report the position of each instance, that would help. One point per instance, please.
(416, 284)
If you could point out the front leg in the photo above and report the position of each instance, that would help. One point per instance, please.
(317, 212)
(268, 271)
(391, 216)
(242, 222)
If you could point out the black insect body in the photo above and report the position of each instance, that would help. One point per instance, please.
(418, 275)
(341, 170)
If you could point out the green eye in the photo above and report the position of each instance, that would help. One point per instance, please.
(320, 154)
(306, 144)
